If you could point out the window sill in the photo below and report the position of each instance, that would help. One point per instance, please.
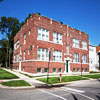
(49, 41)
(80, 48)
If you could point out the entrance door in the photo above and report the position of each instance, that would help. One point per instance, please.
(66, 66)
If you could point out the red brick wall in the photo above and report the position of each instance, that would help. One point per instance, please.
(67, 35)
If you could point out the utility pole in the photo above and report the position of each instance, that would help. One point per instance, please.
(9, 56)
(81, 67)
(48, 66)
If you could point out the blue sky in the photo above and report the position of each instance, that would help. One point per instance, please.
(80, 14)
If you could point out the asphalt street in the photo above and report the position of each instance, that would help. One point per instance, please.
(81, 90)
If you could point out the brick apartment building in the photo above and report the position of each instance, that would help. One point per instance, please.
(69, 47)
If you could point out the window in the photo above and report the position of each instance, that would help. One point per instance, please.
(14, 58)
(43, 34)
(24, 55)
(24, 38)
(46, 70)
(57, 37)
(28, 52)
(84, 58)
(54, 70)
(17, 44)
(86, 69)
(78, 70)
(67, 48)
(23, 68)
(17, 57)
(60, 70)
(42, 54)
(57, 56)
(75, 43)
(84, 45)
(75, 57)
(73, 69)
(82, 69)
(29, 32)
(38, 70)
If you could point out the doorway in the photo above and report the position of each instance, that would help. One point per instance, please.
(66, 66)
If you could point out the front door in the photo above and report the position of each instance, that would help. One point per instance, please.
(66, 66)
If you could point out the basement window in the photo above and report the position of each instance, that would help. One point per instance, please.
(38, 70)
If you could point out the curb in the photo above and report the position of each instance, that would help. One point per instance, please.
(7, 87)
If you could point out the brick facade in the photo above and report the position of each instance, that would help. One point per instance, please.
(31, 63)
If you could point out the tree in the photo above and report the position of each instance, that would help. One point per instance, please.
(1, 0)
(29, 15)
(8, 29)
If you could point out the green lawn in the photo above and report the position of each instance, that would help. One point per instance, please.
(53, 80)
(16, 83)
(95, 76)
(6, 75)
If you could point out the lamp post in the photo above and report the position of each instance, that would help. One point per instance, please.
(48, 66)
(81, 67)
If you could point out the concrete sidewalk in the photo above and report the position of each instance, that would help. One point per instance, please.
(31, 81)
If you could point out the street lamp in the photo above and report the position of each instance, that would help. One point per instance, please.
(81, 67)
(48, 66)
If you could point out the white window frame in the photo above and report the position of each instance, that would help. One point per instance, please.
(29, 32)
(74, 69)
(40, 70)
(25, 38)
(17, 57)
(28, 52)
(84, 58)
(57, 37)
(43, 34)
(55, 70)
(75, 43)
(24, 54)
(57, 56)
(67, 49)
(17, 44)
(84, 45)
(76, 57)
(42, 54)
(60, 71)
(45, 71)
(78, 69)
(14, 58)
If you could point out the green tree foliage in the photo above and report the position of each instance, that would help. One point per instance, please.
(1, 0)
(8, 29)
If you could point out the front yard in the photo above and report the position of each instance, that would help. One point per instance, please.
(94, 76)
(6, 75)
(16, 83)
(53, 80)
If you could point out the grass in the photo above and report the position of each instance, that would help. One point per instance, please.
(16, 83)
(6, 75)
(95, 76)
(93, 72)
(53, 80)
